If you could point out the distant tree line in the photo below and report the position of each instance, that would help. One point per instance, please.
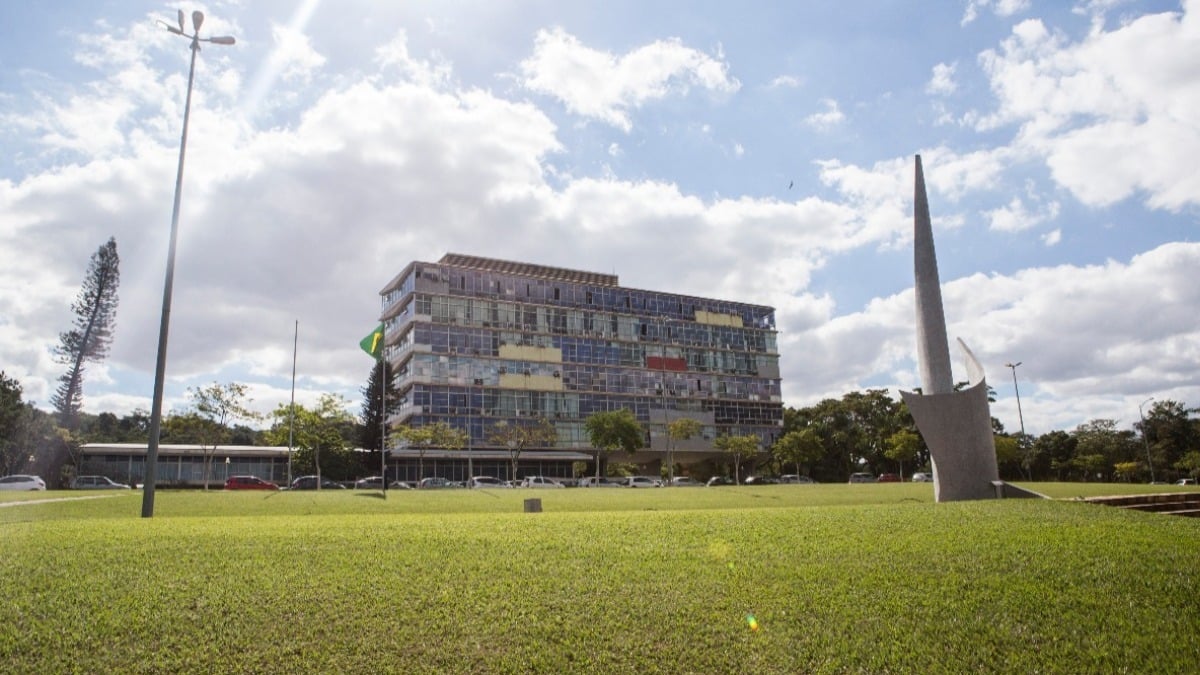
(862, 431)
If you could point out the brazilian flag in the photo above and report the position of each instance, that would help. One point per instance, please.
(373, 343)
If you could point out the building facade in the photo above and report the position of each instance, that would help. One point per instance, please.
(475, 341)
(185, 465)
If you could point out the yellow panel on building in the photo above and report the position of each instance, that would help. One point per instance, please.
(531, 353)
(715, 319)
(536, 382)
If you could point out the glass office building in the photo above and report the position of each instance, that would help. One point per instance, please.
(476, 341)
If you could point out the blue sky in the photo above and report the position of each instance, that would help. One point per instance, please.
(757, 151)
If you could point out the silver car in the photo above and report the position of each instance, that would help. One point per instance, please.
(22, 482)
(96, 483)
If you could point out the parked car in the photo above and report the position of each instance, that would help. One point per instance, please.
(795, 479)
(1186, 481)
(760, 480)
(540, 482)
(719, 480)
(310, 483)
(920, 477)
(433, 483)
(487, 482)
(685, 481)
(369, 483)
(642, 482)
(862, 477)
(249, 483)
(592, 481)
(96, 483)
(401, 485)
(887, 478)
(23, 482)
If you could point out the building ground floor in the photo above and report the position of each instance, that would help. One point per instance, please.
(190, 466)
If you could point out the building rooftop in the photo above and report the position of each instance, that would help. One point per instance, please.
(528, 269)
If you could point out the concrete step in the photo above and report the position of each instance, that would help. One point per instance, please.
(1171, 503)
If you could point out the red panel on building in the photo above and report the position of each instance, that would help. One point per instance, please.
(667, 363)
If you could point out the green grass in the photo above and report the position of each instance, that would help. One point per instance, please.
(839, 578)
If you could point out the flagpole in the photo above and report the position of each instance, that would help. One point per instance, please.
(292, 407)
(383, 378)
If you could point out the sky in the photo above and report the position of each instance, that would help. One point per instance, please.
(757, 151)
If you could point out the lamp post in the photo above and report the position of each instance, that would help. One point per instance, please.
(161, 363)
(1020, 415)
(1145, 441)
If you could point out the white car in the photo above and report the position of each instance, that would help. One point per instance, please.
(592, 481)
(540, 482)
(642, 482)
(22, 482)
(1186, 481)
(487, 482)
(96, 483)
(922, 477)
(685, 481)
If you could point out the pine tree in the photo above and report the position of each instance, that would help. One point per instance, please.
(95, 313)
(371, 437)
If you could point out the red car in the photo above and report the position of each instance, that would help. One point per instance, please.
(887, 478)
(249, 483)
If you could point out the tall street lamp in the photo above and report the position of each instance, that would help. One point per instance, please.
(1145, 441)
(161, 364)
(1020, 415)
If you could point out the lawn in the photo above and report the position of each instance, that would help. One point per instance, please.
(826, 578)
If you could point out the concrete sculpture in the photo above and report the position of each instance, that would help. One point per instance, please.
(956, 425)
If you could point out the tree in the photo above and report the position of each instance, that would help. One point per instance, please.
(679, 430)
(902, 446)
(12, 414)
(1168, 432)
(740, 448)
(521, 435)
(218, 405)
(327, 427)
(95, 311)
(1101, 439)
(1059, 447)
(1008, 450)
(613, 430)
(372, 416)
(1127, 471)
(799, 447)
(1190, 464)
(436, 435)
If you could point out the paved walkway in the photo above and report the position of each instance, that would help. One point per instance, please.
(56, 499)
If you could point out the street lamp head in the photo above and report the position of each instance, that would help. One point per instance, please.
(180, 31)
(197, 20)
(223, 40)
(1012, 365)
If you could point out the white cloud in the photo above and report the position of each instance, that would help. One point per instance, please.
(1112, 115)
(599, 85)
(827, 119)
(942, 80)
(1050, 318)
(1052, 237)
(785, 82)
(1001, 8)
(1016, 216)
